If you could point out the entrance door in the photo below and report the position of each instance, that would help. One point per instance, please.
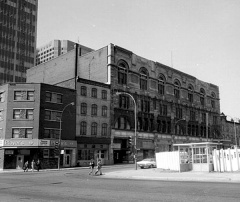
(20, 160)
(67, 160)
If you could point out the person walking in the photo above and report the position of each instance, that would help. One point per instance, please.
(38, 165)
(99, 167)
(91, 166)
(32, 164)
(25, 167)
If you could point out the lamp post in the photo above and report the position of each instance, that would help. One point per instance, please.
(60, 134)
(135, 130)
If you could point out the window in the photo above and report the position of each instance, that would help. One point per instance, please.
(94, 92)
(23, 114)
(2, 96)
(94, 129)
(190, 93)
(24, 95)
(53, 97)
(122, 123)
(143, 78)
(83, 108)
(83, 90)
(202, 94)
(94, 110)
(163, 110)
(154, 104)
(161, 85)
(179, 113)
(145, 105)
(1, 114)
(22, 133)
(83, 128)
(104, 94)
(122, 72)
(177, 89)
(192, 115)
(124, 101)
(213, 100)
(104, 129)
(104, 111)
(52, 115)
(51, 133)
(203, 117)
(215, 120)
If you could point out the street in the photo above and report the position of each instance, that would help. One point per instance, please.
(77, 185)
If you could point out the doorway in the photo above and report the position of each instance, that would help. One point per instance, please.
(67, 160)
(20, 160)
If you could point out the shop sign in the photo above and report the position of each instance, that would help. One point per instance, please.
(64, 143)
(20, 143)
(44, 143)
(10, 152)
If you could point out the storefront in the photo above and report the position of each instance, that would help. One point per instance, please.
(17, 152)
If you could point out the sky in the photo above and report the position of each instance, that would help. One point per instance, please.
(198, 37)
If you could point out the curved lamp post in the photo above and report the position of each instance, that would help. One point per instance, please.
(60, 134)
(135, 130)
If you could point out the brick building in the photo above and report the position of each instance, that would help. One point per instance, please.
(18, 25)
(172, 106)
(30, 125)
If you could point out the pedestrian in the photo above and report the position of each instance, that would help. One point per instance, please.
(99, 167)
(91, 166)
(33, 164)
(25, 166)
(38, 165)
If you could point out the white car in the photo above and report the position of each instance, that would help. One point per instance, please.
(147, 163)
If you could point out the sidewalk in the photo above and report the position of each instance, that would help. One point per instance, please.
(166, 175)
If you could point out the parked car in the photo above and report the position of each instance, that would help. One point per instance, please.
(147, 163)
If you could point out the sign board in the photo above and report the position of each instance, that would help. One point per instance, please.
(116, 145)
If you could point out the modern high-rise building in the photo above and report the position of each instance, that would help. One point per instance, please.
(55, 48)
(18, 25)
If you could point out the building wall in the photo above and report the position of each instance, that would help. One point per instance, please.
(54, 71)
(18, 40)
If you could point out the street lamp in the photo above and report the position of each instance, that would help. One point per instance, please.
(234, 127)
(135, 130)
(60, 134)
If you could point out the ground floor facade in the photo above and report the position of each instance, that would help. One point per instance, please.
(14, 153)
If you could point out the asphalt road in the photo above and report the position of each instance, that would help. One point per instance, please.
(77, 185)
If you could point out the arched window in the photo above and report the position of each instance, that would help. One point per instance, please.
(161, 85)
(177, 87)
(213, 100)
(94, 92)
(104, 129)
(83, 108)
(104, 111)
(94, 110)
(190, 93)
(83, 128)
(94, 128)
(83, 90)
(202, 96)
(122, 72)
(104, 94)
(143, 78)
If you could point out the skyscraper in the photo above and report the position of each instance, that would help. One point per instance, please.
(18, 25)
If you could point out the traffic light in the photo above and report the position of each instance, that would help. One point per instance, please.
(130, 141)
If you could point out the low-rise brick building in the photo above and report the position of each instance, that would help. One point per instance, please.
(30, 125)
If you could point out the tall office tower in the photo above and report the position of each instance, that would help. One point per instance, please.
(18, 25)
(55, 48)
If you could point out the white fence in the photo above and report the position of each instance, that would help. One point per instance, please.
(226, 160)
(168, 160)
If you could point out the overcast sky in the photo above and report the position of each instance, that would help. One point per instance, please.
(203, 36)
